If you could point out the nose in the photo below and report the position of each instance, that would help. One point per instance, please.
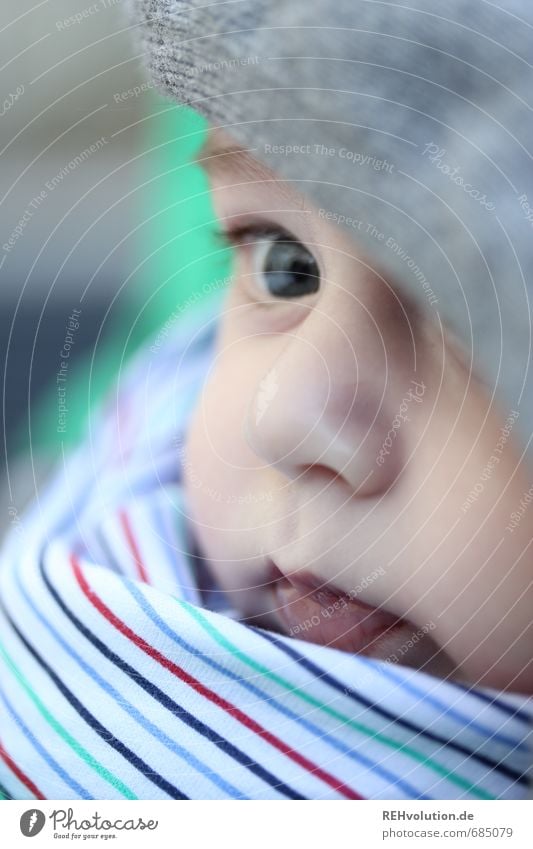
(326, 402)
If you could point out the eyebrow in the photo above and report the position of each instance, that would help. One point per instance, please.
(216, 156)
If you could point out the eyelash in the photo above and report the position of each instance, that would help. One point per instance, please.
(253, 233)
(249, 233)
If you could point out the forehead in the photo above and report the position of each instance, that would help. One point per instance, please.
(227, 163)
(220, 153)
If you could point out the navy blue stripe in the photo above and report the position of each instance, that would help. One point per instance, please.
(513, 712)
(100, 729)
(45, 755)
(497, 766)
(192, 762)
(410, 791)
(176, 709)
(447, 709)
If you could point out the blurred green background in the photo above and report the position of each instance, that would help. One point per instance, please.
(125, 234)
(177, 253)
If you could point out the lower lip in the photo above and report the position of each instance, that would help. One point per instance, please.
(326, 618)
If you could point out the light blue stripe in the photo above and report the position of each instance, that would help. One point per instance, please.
(443, 708)
(5, 796)
(152, 729)
(191, 594)
(412, 792)
(46, 756)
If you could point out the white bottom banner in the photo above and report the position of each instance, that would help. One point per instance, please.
(221, 824)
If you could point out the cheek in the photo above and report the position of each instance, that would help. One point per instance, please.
(205, 492)
(211, 452)
(223, 504)
(217, 428)
(223, 478)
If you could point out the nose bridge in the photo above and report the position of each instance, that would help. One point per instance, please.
(299, 387)
(320, 402)
(334, 346)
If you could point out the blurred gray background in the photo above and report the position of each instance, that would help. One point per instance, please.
(65, 69)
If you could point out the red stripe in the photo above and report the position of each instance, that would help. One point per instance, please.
(134, 548)
(20, 775)
(200, 688)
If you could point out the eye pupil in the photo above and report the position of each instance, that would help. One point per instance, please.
(290, 270)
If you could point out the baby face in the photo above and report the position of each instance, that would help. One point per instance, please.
(331, 456)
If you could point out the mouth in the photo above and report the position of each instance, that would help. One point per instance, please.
(319, 614)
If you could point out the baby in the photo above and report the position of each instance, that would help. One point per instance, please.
(369, 409)
(292, 558)
(344, 432)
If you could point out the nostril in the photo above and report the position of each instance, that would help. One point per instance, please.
(322, 475)
(343, 480)
(273, 573)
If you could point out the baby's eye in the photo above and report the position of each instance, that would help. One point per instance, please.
(285, 267)
(281, 264)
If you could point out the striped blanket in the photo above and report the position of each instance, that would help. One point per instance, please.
(123, 677)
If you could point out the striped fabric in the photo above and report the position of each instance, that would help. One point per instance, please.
(122, 678)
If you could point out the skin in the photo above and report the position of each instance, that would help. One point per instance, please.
(290, 507)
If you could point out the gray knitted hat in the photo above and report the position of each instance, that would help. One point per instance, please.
(415, 121)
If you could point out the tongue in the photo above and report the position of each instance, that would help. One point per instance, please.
(332, 620)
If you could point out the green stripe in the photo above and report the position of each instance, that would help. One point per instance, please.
(363, 729)
(80, 751)
(4, 795)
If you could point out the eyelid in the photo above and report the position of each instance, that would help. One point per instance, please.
(247, 235)
(250, 233)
